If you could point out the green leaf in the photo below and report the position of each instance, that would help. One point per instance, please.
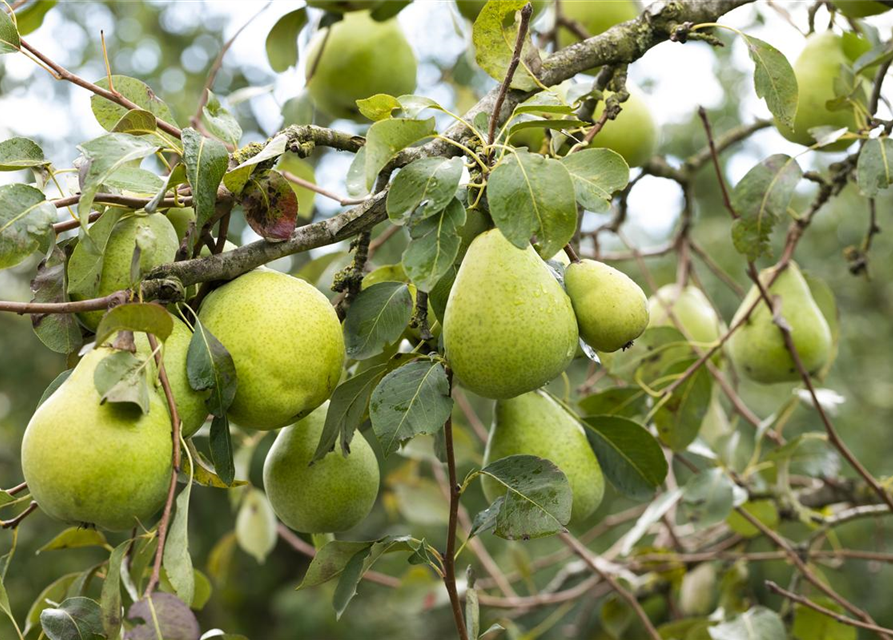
(762, 196)
(873, 170)
(102, 158)
(282, 41)
(759, 623)
(110, 599)
(256, 525)
(359, 564)
(55, 384)
(176, 177)
(26, 220)
(222, 449)
(21, 153)
(494, 44)
(629, 456)
(385, 138)
(4, 597)
(270, 206)
(109, 113)
(709, 497)
(220, 122)
(85, 264)
(626, 402)
(773, 79)
(808, 454)
(122, 378)
(413, 400)
(763, 510)
(52, 593)
(538, 497)
(202, 472)
(10, 42)
(162, 615)
(655, 350)
(297, 110)
(810, 624)
(329, 562)
(74, 619)
(679, 419)
(136, 122)
(597, 175)
(545, 102)
(530, 194)
(59, 332)
(176, 558)
(432, 181)
(434, 247)
(440, 293)
(347, 408)
(236, 178)
(139, 181)
(144, 317)
(376, 319)
(30, 17)
(75, 538)
(206, 161)
(378, 107)
(210, 366)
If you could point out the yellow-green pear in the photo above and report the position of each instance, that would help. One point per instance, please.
(611, 308)
(191, 407)
(633, 134)
(758, 349)
(161, 246)
(180, 217)
(536, 425)
(333, 494)
(509, 327)
(470, 9)
(859, 8)
(286, 342)
(595, 16)
(816, 69)
(87, 463)
(691, 308)
(360, 58)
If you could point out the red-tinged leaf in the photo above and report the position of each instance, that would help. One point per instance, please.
(271, 206)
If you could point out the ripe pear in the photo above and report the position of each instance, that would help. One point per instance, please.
(535, 424)
(691, 308)
(86, 463)
(859, 8)
(595, 16)
(116, 263)
(633, 134)
(361, 58)
(816, 69)
(611, 308)
(758, 349)
(333, 494)
(286, 342)
(191, 407)
(508, 327)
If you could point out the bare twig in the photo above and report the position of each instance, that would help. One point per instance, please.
(449, 558)
(826, 612)
(714, 154)
(323, 192)
(526, 12)
(17, 489)
(80, 306)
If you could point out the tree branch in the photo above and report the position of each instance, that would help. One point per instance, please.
(526, 12)
(826, 612)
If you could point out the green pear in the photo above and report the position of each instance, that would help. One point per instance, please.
(286, 342)
(396, 273)
(361, 58)
(180, 217)
(633, 134)
(595, 16)
(190, 403)
(860, 8)
(87, 463)
(470, 9)
(691, 308)
(333, 494)
(118, 256)
(536, 425)
(816, 69)
(611, 309)
(508, 327)
(758, 349)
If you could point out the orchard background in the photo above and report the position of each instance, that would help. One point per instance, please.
(698, 569)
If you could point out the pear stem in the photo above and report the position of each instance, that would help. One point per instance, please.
(571, 253)
(449, 558)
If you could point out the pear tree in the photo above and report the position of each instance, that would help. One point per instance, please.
(317, 398)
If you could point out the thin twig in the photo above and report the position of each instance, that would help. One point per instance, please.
(79, 306)
(317, 189)
(526, 12)
(826, 612)
(14, 522)
(17, 489)
(449, 558)
(381, 239)
(714, 154)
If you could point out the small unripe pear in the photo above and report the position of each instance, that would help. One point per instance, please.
(611, 309)
(87, 463)
(361, 57)
(535, 424)
(758, 349)
(508, 327)
(595, 16)
(333, 494)
(691, 308)
(633, 134)
(286, 342)
(180, 217)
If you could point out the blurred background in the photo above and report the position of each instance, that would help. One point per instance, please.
(170, 46)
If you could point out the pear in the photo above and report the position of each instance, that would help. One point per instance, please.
(333, 494)
(86, 463)
(611, 309)
(118, 256)
(691, 308)
(191, 407)
(361, 57)
(508, 327)
(860, 8)
(757, 348)
(633, 134)
(535, 424)
(816, 69)
(180, 217)
(595, 16)
(286, 342)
